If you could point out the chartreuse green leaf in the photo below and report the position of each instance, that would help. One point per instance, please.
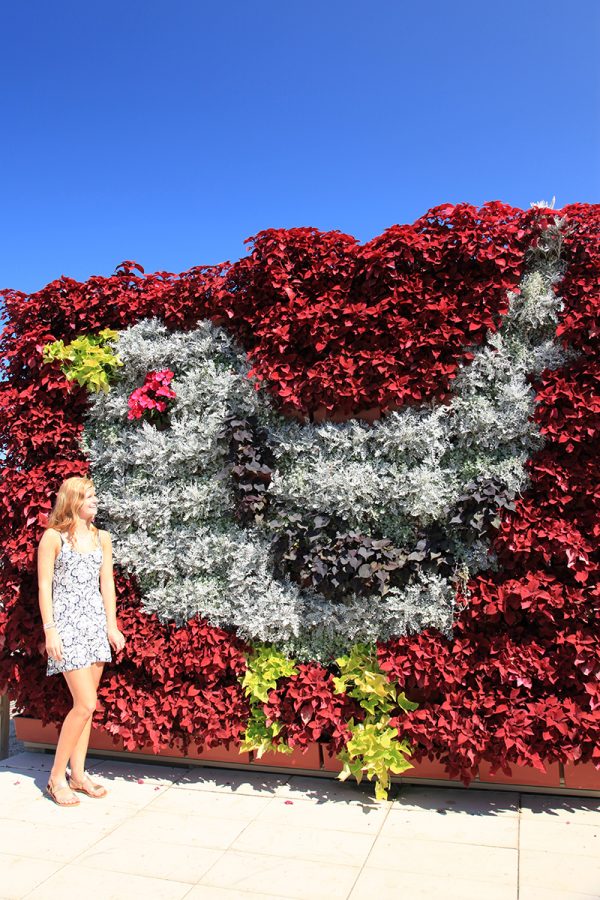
(375, 749)
(259, 736)
(265, 667)
(87, 359)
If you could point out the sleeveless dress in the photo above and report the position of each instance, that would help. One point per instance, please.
(78, 608)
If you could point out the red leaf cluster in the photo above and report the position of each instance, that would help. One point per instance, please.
(338, 329)
(580, 288)
(309, 710)
(335, 328)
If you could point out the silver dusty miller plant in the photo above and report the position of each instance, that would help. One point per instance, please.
(168, 496)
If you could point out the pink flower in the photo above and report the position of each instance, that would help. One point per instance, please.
(147, 396)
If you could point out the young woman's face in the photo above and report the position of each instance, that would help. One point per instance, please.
(89, 507)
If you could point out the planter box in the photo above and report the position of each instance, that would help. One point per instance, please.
(582, 777)
(331, 763)
(424, 769)
(427, 768)
(220, 754)
(104, 740)
(34, 732)
(298, 759)
(522, 775)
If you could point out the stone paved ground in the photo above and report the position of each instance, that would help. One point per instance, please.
(174, 832)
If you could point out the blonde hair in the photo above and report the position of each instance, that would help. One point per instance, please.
(69, 500)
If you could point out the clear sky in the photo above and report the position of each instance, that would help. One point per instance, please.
(167, 132)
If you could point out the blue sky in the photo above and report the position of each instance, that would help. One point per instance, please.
(169, 132)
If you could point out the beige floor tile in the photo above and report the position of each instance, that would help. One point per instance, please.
(339, 816)
(130, 791)
(57, 842)
(323, 790)
(389, 884)
(533, 893)
(195, 831)
(449, 860)
(560, 836)
(339, 847)
(121, 781)
(301, 879)
(471, 800)
(74, 881)
(19, 874)
(576, 810)
(11, 802)
(457, 827)
(259, 835)
(27, 785)
(9, 809)
(559, 872)
(218, 804)
(131, 771)
(150, 858)
(28, 759)
(210, 892)
(45, 812)
(231, 781)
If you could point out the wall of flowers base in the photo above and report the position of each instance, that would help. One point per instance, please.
(570, 779)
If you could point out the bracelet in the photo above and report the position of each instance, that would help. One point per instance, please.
(49, 625)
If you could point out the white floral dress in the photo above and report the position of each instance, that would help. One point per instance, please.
(78, 608)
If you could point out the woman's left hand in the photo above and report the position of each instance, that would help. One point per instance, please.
(116, 639)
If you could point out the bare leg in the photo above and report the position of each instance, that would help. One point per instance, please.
(83, 688)
(79, 753)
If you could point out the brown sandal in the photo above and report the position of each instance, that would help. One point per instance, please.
(51, 789)
(80, 786)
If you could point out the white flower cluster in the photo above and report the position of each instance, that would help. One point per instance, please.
(168, 497)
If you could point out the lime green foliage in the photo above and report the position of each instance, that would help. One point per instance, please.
(265, 666)
(374, 750)
(87, 360)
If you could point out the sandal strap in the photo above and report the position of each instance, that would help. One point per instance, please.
(79, 780)
(93, 784)
(86, 777)
(54, 787)
(57, 785)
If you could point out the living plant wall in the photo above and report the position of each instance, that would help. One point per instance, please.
(353, 490)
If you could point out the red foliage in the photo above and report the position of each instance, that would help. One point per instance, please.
(580, 288)
(309, 710)
(335, 328)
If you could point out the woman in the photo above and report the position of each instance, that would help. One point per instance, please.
(78, 608)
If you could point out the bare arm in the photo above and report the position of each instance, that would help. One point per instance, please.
(48, 550)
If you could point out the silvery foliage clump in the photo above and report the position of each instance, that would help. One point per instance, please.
(168, 497)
